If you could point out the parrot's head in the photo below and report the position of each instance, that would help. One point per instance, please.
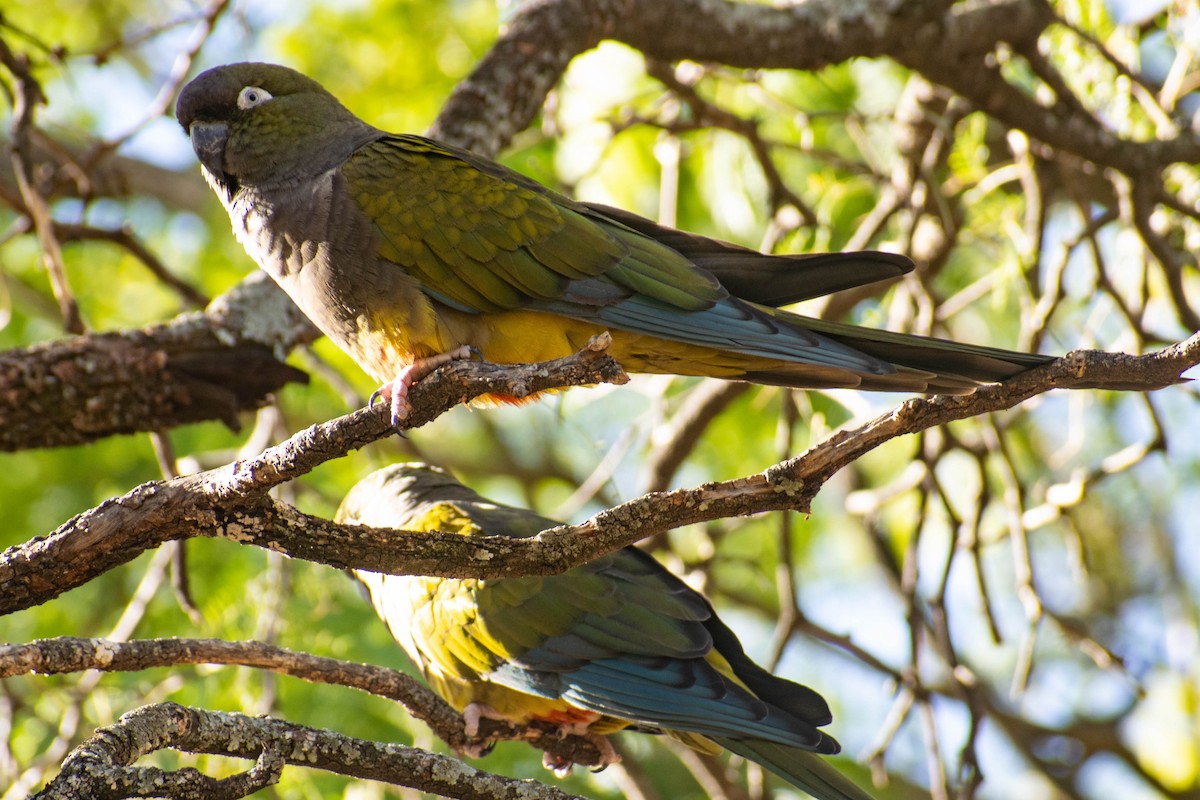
(424, 498)
(393, 496)
(265, 125)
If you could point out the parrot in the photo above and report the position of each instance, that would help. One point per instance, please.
(408, 252)
(616, 643)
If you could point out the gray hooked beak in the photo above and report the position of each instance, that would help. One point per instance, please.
(208, 140)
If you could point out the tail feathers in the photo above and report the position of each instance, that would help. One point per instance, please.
(784, 279)
(922, 364)
(954, 367)
(804, 770)
(901, 379)
(772, 280)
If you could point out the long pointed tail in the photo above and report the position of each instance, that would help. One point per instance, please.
(804, 770)
(942, 357)
(921, 363)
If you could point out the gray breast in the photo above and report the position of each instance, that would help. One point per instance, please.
(310, 240)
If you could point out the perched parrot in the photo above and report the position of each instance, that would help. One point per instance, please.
(408, 252)
(618, 642)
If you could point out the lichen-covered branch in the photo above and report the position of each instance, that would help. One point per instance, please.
(64, 655)
(101, 767)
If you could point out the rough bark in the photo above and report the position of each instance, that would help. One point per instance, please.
(200, 366)
(65, 655)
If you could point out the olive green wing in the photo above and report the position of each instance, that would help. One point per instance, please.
(612, 606)
(481, 238)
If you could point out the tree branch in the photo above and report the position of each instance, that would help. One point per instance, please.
(100, 767)
(67, 654)
(949, 43)
(200, 366)
(231, 502)
(506, 90)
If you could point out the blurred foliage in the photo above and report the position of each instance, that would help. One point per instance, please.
(1099, 489)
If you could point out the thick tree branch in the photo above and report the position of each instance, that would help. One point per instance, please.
(507, 88)
(949, 43)
(100, 767)
(231, 501)
(199, 366)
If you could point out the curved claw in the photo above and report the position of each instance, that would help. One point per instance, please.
(479, 750)
(472, 715)
(397, 390)
(562, 767)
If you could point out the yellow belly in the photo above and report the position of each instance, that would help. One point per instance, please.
(386, 344)
(527, 336)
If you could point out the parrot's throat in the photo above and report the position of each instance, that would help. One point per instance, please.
(225, 185)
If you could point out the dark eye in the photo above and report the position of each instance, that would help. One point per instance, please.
(252, 96)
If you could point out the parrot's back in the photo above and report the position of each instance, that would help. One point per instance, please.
(618, 642)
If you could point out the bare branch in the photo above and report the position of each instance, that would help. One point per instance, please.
(28, 96)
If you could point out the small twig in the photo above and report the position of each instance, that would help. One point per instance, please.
(1141, 197)
(28, 95)
(175, 79)
(164, 453)
(673, 444)
(124, 238)
(710, 115)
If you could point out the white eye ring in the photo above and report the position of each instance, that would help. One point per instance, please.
(252, 96)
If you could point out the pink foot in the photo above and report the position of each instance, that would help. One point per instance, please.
(472, 714)
(396, 392)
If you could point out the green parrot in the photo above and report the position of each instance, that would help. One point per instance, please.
(617, 643)
(408, 252)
